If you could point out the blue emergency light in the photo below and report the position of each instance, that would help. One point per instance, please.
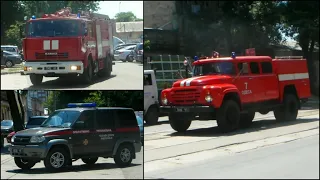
(33, 17)
(196, 58)
(73, 105)
(233, 55)
(78, 15)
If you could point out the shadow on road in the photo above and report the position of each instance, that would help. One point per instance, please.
(74, 168)
(260, 125)
(67, 83)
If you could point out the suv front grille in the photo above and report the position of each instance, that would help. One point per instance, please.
(21, 140)
(185, 96)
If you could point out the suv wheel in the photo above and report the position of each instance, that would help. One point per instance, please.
(289, 110)
(124, 155)
(36, 79)
(90, 161)
(24, 164)
(246, 119)
(228, 116)
(152, 115)
(56, 159)
(179, 122)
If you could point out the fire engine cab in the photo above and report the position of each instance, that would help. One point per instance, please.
(232, 89)
(65, 44)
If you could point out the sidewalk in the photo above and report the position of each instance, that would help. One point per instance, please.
(15, 69)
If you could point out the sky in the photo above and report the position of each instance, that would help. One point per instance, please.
(111, 8)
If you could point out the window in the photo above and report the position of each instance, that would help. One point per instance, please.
(266, 67)
(254, 68)
(147, 80)
(105, 119)
(243, 68)
(126, 118)
(88, 119)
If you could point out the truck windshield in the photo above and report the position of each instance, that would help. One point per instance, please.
(61, 119)
(214, 68)
(53, 28)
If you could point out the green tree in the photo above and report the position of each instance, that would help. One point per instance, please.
(97, 97)
(125, 17)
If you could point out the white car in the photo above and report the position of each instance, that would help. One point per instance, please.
(10, 48)
(123, 54)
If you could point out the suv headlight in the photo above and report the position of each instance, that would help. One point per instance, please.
(37, 139)
(12, 138)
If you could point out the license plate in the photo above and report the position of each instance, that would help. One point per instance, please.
(17, 150)
(182, 109)
(50, 68)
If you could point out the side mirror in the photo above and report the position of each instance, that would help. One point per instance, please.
(78, 125)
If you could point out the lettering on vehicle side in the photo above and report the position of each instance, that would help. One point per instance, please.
(80, 132)
(103, 130)
(106, 136)
(246, 91)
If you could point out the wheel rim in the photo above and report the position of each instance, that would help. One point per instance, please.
(57, 160)
(125, 155)
(8, 63)
(24, 161)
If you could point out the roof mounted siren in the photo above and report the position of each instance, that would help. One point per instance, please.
(74, 105)
(233, 55)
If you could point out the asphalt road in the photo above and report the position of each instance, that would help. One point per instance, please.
(103, 169)
(203, 152)
(125, 76)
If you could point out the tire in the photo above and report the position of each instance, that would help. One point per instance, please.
(2, 141)
(124, 155)
(152, 116)
(24, 164)
(228, 116)
(56, 152)
(288, 110)
(246, 119)
(90, 161)
(179, 122)
(9, 64)
(36, 79)
(106, 71)
(88, 73)
(128, 58)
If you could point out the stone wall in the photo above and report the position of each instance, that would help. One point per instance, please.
(158, 13)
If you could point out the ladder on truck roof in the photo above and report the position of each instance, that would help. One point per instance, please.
(66, 12)
(289, 57)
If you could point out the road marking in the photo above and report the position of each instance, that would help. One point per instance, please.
(295, 76)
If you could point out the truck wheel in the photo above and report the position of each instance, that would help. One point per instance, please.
(288, 110)
(36, 79)
(152, 116)
(90, 161)
(88, 73)
(246, 119)
(56, 159)
(124, 155)
(228, 116)
(179, 122)
(24, 164)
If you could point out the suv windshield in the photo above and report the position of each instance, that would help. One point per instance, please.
(6, 123)
(61, 119)
(53, 28)
(214, 68)
(36, 121)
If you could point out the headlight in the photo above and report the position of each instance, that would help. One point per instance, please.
(208, 98)
(37, 139)
(26, 68)
(12, 138)
(164, 101)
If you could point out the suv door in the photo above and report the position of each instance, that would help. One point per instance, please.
(104, 138)
(127, 126)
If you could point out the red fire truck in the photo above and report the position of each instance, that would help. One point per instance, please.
(232, 89)
(65, 44)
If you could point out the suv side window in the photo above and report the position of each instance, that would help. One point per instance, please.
(126, 118)
(254, 67)
(105, 119)
(245, 71)
(266, 67)
(88, 118)
(147, 80)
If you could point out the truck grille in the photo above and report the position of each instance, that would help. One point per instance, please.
(51, 55)
(185, 96)
(21, 140)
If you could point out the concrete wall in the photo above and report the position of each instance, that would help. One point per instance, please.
(158, 13)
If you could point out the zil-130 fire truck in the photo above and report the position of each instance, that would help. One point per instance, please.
(232, 89)
(65, 44)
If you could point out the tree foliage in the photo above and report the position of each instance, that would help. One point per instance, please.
(125, 17)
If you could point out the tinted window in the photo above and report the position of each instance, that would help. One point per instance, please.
(36, 121)
(61, 118)
(88, 119)
(244, 71)
(53, 28)
(254, 68)
(147, 80)
(6, 123)
(266, 67)
(214, 68)
(105, 119)
(126, 118)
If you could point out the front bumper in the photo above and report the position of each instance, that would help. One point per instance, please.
(56, 67)
(28, 151)
(186, 109)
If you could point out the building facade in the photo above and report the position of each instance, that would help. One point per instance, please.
(35, 102)
(130, 32)
(159, 14)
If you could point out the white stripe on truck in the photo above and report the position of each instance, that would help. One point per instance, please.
(46, 45)
(55, 44)
(295, 76)
(190, 80)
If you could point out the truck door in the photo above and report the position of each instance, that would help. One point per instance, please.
(271, 83)
(256, 81)
(105, 130)
(150, 89)
(243, 83)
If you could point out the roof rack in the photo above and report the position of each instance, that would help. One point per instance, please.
(289, 57)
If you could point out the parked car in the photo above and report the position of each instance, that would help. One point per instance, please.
(10, 59)
(138, 52)
(10, 48)
(33, 122)
(124, 54)
(121, 46)
(6, 128)
(140, 124)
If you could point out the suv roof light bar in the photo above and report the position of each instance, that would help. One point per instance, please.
(73, 105)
